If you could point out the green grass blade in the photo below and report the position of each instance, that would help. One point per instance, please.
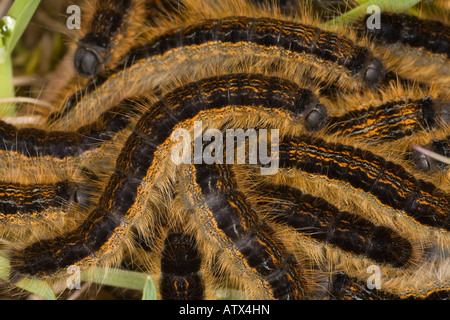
(11, 29)
(6, 87)
(41, 288)
(116, 278)
(149, 292)
(384, 5)
(112, 277)
(21, 11)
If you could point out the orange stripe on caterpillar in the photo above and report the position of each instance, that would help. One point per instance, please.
(22, 204)
(391, 120)
(181, 278)
(344, 287)
(63, 145)
(389, 183)
(317, 219)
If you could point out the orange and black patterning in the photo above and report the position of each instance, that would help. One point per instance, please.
(22, 203)
(281, 37)
(392, 120)
(230, 222)
(430, 35)
(63, 145)
(118, 206)
(387, 182)
(343, 287)
(262, 36)
(181, 278)
(344, 196)
(317, 219)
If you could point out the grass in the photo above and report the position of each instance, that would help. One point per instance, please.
(111, 277)
(384, 5)
(12, 27)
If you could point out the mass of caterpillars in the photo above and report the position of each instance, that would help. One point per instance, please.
(93, 183)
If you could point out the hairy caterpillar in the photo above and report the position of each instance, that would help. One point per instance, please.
(343, 287)
(180, 268)
(109, 26)
(230, 223)
(391, 120)
(20, 204)
(430, 35)
(112, 23)
(40, 198)
(322, 221)
(109, 88)
(409, 42)
(269, 33)
(389, 183)
(61, 146)
(425, 163)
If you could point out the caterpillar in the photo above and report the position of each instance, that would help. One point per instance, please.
(294, 38)
(422, 44)
(39, 199)
(426, 163)
(229, 222)
(21, 203)
(392, 120)
(388, 182)
(343, 287)
(181, 278)
(410, 30)
(101, 45)
(107, 28)
(321, 221)
(62, 146)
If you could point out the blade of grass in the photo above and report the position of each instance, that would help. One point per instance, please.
(410, 11)
(149, 292)
(384, 5)
(119, 278)
(112, 277)
(13, 26)
(41, 288)
(6, 88)
(6, 74)
(21, 11)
